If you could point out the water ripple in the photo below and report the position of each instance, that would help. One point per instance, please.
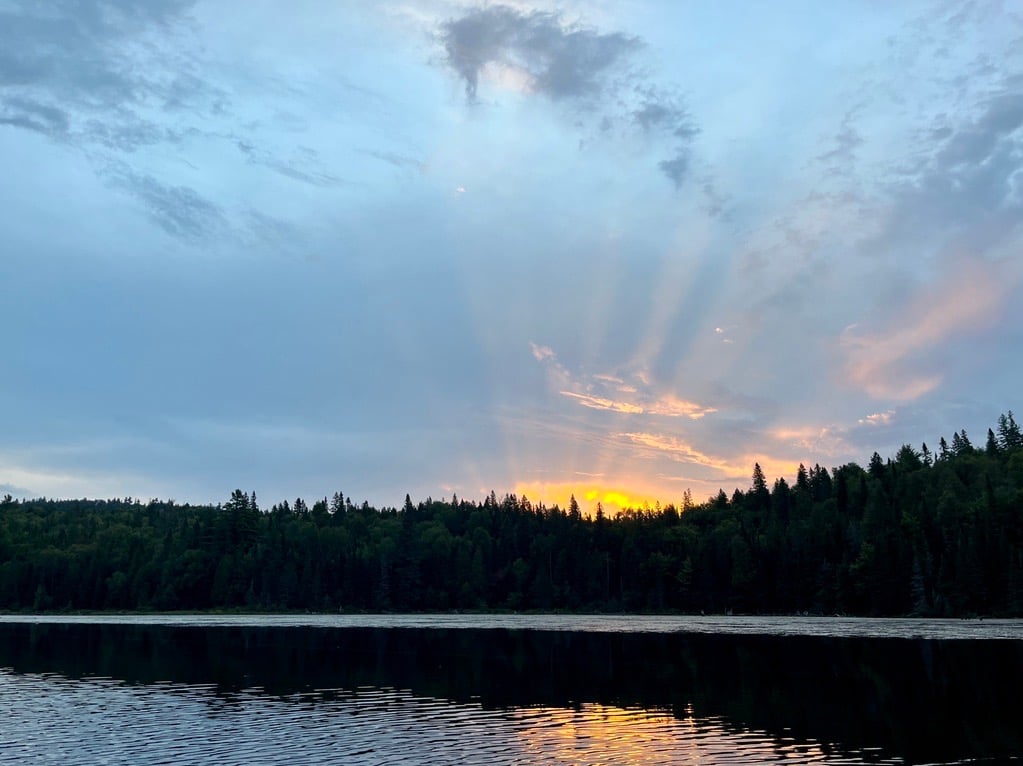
(789, 625)
(55, 720)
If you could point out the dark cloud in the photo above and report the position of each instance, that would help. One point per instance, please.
(32, 115)
(179, 210)
(660, 112)
(971, 180)
(75, 49)
(570, 62)
(980, 142)
(561, 61)
(676, 168)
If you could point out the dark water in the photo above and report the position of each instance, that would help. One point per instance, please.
(250, 691)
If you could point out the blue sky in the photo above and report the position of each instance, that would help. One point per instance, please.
(620, 249)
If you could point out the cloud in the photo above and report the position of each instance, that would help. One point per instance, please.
(538, 52)
(679, 450)
(179, 210)
(892, 363)
(602, 391)
(878, 418)
(560, 61)
(14, 491)
(969, 186)
(81, 54)
(540, 353)
(816, 441)
(671, 406)
(400, 161)
(842, 155)
(42, 118)
(301, 166)
(600, 403)
(110, 77)
(660, 113)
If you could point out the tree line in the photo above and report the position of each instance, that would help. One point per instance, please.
(926, 533)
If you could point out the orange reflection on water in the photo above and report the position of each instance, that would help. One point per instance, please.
(598, 734)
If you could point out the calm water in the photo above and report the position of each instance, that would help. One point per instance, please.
(508, 690)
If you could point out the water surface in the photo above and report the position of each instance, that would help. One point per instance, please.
(477, 690)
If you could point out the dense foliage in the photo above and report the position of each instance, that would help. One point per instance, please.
(921, 533)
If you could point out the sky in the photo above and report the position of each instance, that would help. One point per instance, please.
(617, 249)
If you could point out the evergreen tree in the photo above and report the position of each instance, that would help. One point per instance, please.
(991, 448)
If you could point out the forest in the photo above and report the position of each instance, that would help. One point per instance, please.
(929, 533)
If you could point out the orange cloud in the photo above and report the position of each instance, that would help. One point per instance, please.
(877, 419)
(673, 407)
(678, 450)
(599, 403)
(882, 364)
(666, 406)
(585, 390)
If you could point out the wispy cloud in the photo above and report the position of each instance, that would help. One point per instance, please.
(679, 450)
(23, 112)
(179, 210)
(600, 403)
(891, 363)
(671, 406)
(540, 353)
(303, 165)
(605, 391)
(400, 161)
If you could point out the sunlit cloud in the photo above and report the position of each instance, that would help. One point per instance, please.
(508, 77)
(541, 353)
(594, 391)
(887, 364)
(599, 403)
(679, 450)
(666, 406)
(671, 406)
(812, 440)
(878, 418)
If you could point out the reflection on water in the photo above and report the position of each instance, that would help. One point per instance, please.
(56, 720)
(126, 693)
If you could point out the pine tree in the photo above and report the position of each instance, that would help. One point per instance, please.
(991, 448)
(1009, 435)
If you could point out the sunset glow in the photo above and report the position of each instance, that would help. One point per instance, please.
(613, 500)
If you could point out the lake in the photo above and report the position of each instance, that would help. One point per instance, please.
(508, 689)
